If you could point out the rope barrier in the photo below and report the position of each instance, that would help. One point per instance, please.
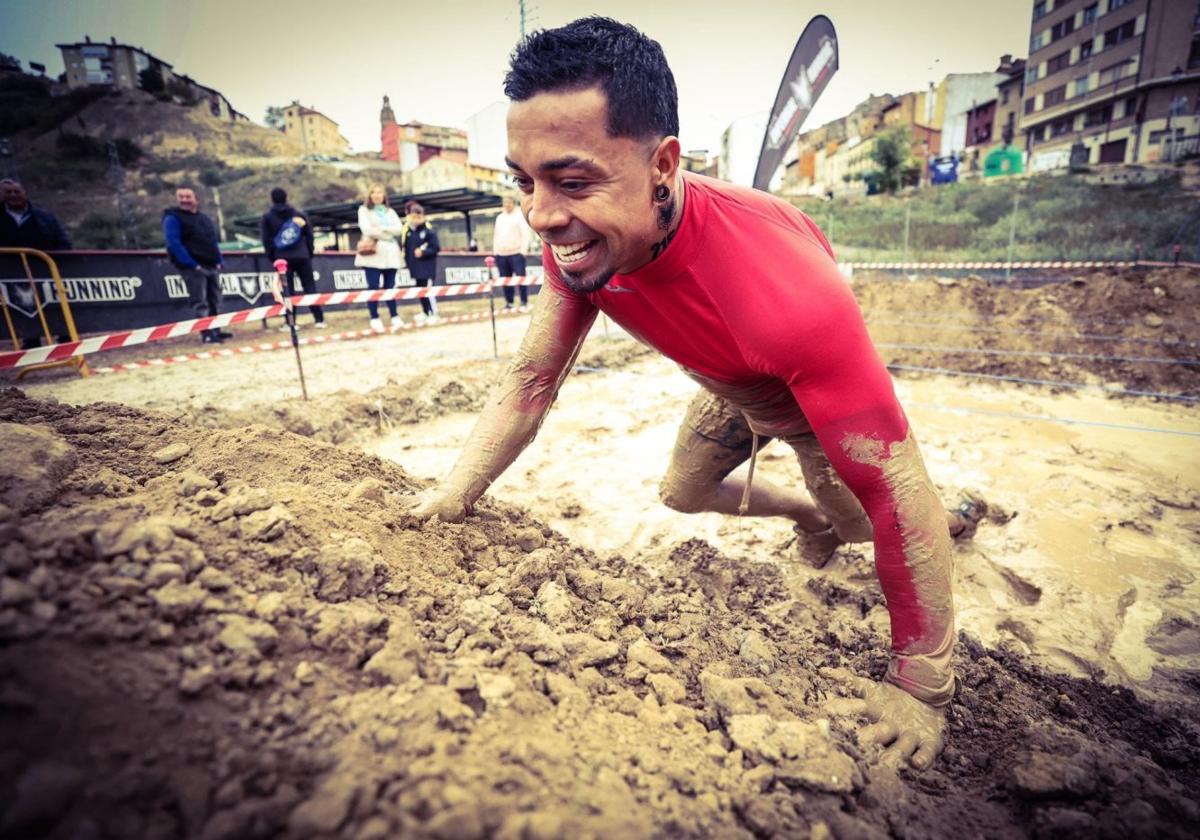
(942, 317)
(1039, 333)
(993, 265)
(1026, 265)
(951, 409)
(1053, 383)
(1037, 353)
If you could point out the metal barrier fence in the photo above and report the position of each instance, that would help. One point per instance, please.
(35, 300)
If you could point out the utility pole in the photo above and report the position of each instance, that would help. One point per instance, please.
(521, 5)
(220, 213)
(1012, 234)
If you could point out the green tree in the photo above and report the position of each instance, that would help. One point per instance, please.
(274, 117)
(891, 155)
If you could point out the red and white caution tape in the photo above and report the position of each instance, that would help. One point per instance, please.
(57, 352)
(517, 281)
(987, 266)
(1016, 266)
(262, 347)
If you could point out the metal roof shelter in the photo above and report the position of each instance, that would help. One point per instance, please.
(343, 218)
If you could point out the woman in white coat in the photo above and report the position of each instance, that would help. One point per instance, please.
(379, 224)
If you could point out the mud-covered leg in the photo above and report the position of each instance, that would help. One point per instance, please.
(713, 440)
(849, 520)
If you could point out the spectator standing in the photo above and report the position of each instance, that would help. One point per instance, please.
(378, 251)
(510, 241)
(193, 248)
(420, 255)
(287, 235)
(24, 226)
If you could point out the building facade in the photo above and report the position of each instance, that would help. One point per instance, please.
(316, 132)
(444, 173)
(1118, 79)
(741, 143)
(1009, 95)
(487, 135)
(963, 93)
(411, 144)
(123, 67)
(981, 126)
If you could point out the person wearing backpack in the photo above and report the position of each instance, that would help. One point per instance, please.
(287, 235)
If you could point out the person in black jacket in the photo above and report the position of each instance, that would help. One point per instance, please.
(193, 248)
(298, 254)
(420, 253)
(24, 226)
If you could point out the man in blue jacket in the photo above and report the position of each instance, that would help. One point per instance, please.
(193, 248)
(24, 226)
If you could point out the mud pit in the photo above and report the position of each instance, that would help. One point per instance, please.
(234, 632)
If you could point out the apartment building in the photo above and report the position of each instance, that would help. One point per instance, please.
(124, 67)
(1118, 80)
(318, 133)
(1009, 95)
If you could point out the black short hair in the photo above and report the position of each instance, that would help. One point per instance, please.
(629, 67)
(279, 196)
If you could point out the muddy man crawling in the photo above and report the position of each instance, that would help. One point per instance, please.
(742, 291)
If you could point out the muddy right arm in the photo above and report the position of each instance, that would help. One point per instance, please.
(517, 406)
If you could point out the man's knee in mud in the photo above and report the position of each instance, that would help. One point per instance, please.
(684, 497)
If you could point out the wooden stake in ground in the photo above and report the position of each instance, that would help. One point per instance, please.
(289, 316)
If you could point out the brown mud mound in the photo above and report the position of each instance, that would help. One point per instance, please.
(1096, 328)
(342, 416)
(236, 633)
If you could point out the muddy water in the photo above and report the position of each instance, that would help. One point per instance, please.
(1095, 574)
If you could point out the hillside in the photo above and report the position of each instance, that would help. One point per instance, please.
(61, 153)
(1057, 217)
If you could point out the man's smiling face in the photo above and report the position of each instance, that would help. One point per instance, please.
(588, 195)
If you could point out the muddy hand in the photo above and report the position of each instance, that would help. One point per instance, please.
(433, 502)
(907, 728)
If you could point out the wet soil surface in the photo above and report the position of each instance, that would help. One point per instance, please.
(1096, 327)
(237, 633)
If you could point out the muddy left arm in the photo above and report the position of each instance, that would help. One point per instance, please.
(812, 335)
(873, 450)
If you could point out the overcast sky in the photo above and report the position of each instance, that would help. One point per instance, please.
(443, 60)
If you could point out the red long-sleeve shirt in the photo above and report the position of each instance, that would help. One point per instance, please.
(749, 289)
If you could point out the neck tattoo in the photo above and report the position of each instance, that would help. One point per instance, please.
(661, 245)
(666, 215)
